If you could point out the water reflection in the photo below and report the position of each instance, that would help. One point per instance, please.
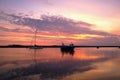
(35, 61)
(48, 65)
(46, 70)
(67, 51)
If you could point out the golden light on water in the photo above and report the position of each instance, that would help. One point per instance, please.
(82, 55)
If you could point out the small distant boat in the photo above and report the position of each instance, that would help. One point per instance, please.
(35, 46)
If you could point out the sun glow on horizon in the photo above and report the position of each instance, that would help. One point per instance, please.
(103, 24)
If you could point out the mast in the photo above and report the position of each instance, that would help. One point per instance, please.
(35, 37)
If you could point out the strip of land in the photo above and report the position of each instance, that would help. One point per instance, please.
(54, 46)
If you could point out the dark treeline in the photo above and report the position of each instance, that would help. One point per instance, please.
(50, 46)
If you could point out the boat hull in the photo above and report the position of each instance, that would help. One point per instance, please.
(35, 47)
(67, 48)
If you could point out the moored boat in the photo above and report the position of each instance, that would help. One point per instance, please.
(67, 47)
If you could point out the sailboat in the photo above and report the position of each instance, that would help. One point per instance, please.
(35, 46)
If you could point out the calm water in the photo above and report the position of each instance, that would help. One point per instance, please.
(52, 64)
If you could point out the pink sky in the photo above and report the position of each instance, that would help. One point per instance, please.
(83, 22)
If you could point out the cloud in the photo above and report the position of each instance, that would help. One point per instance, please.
(54, 24)
(9, 30)
(47, 2)
(58, 25)
(109, 41)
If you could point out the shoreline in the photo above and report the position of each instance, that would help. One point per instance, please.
(16, 46)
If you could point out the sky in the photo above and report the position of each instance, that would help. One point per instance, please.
(82, 22)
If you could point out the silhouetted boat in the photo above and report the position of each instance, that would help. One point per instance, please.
(66, 48)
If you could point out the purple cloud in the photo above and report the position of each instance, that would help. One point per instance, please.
(61, 25)
(55, 24)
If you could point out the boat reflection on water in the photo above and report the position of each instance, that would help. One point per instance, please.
(35, 51)
(67, 49)
(47, 64)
